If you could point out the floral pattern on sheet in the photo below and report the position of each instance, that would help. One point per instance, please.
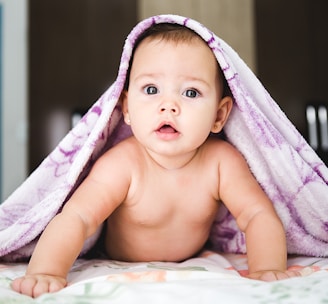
(198, 280)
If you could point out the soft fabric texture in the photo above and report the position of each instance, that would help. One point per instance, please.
(206, 278)
(284, 164)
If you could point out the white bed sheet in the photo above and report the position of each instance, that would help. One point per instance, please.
(208, 278)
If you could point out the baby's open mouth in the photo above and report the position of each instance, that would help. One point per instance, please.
(166, 129)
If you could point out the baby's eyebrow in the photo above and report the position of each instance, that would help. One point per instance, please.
(195, 78)
(146, 75)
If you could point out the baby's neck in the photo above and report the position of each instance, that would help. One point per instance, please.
(172, 162)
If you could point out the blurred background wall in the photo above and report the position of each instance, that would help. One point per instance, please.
(232, 20)
(59, 56)
(13, 94)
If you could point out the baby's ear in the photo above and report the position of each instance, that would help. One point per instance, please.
(124, 103)
(223, 112)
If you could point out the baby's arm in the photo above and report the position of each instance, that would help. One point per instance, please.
(266, 245)
(63, 239)
(53, 256)
(255, 215)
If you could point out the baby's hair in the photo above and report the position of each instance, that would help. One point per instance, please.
(173, 33)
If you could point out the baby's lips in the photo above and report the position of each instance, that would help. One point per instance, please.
(166, 127)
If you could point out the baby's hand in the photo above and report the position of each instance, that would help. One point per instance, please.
(35, 285)
(273, 275)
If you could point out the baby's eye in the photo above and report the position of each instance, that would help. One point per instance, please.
(150, 90)
(191, 93)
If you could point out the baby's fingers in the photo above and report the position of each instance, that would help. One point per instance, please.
(35, 285)
(57, 285)
(24, 285)
(286, 274)
(273, 275)
(294, 273)
(41, 287)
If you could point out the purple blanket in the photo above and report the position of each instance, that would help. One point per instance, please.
(287, 168)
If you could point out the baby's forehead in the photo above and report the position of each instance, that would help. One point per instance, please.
(153, 43)
(176, 34)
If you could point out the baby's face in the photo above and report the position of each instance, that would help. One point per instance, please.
(173, 95)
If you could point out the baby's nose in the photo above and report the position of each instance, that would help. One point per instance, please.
(170, 106)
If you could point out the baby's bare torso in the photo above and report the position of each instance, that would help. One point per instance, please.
(167, 214)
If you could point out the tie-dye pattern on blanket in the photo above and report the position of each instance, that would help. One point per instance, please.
(284, 164)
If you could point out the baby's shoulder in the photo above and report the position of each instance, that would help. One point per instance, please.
(221, 150)
(124, 152)
(218, 145)
(119, 157)
(126, 147)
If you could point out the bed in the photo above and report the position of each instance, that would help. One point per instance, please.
(286, 167)
(210, 277)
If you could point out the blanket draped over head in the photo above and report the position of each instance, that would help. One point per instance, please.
(284, 164)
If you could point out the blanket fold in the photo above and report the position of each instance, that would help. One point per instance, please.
(284, 164)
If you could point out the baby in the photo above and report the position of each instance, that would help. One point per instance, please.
(159, 190)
